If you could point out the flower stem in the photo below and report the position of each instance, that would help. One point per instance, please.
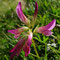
(35, 49)
(34, 55)
(55, 37)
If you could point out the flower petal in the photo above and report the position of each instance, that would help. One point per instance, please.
(47, 33)
(50, 26)
(26, 49)
(17, 48)
(18, 31)
(36, 9)
(15, 32)
(27, 45)
(29, 42)
(20, 14)
(22, 44)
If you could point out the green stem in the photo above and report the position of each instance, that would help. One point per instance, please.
(34, 55)
(55, 37)
(35, 49)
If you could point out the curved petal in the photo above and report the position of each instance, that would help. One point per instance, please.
(50, 26)
(15, 32)
(47, 33)
(17, 48)
(26, 49)
(29, 42)
(36, 9)
(18, 31)
(22, 44)
(27, 45)
(20, 14)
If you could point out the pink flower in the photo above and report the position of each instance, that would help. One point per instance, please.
(25, 42)
(22, 44)
(20, 14)
(46, 30)
(18, 31)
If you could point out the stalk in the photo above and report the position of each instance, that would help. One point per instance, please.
(35, 49)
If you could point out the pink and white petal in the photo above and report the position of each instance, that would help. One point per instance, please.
(29, 42)
(50, 26)
(20, 14)
(47, 33)
(36, 9)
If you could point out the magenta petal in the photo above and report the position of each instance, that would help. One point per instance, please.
(36, 9)
(17, 48)
(47, 33)
(20, 14)
(17, 35)
(27, 45)
(50, 26)
(22, 44)
(15, 32)
(15, 52)
(29, 42)
(18, 31)
(26, 49)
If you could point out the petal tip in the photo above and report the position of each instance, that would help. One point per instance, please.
(54, 20)
(36, 9)
(19, 2)
(36, 3)
(9, 31)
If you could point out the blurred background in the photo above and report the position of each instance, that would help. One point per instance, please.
(47, 11)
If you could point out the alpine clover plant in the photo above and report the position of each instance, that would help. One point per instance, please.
(26, 41)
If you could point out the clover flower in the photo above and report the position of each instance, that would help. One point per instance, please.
(25, 42)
